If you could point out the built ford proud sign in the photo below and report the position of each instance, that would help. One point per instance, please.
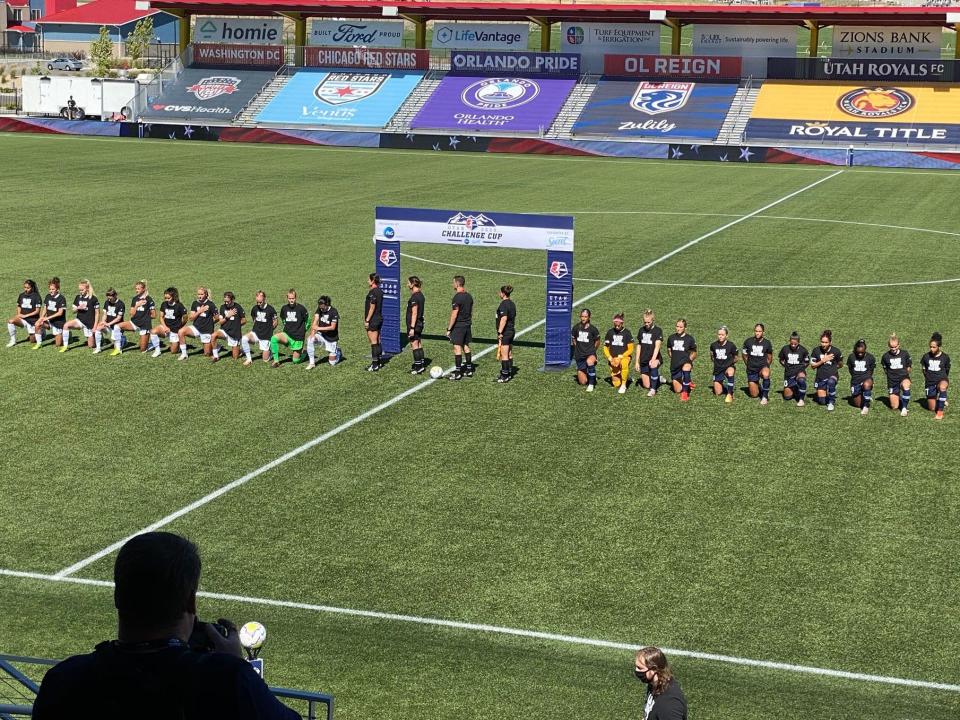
(356, 33)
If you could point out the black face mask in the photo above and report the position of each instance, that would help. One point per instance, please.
(641, 676)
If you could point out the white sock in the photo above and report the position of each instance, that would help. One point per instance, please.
(154, 341)
(245, 345)
(311, 353)
(117, 336)
(183, 349)
(216, 350)
(38, 337)
(98, 337)
(65, 334)
(12, 329)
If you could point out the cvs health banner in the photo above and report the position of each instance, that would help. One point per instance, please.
(679, 66)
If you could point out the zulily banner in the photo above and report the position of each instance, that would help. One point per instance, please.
(208, 94)
(223, 54)
(508, 104)
(351, 99)
(656, 109)
(387, 266)
(876, 70)
(475, 62)
(675, 66)
(366, 58)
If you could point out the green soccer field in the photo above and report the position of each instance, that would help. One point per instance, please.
(820, 541)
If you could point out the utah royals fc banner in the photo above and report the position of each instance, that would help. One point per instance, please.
(394, 226)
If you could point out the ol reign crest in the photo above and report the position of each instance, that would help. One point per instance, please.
(654, 98)
(342, 88)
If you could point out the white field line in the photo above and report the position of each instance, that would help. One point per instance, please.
(209, 497)
(519, 632)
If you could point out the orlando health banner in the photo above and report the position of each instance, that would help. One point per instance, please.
(511, 104)
(594, 40)
(354, 98)
(656, 109)
(479, 62)
(841, 112)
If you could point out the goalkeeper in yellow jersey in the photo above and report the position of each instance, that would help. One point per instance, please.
(617, 348)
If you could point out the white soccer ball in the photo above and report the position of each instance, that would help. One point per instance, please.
(436, 372)
(253, 635)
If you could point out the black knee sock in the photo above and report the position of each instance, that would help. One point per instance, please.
(418, 356)
(457, 360)
(504, 367)
(376, 351)
(468, 361)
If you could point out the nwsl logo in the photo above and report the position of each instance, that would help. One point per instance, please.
(654, 98)
(499, 93)
(388, 258)
(558, 269)
(211, 87)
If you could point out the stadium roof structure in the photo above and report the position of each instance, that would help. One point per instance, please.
(20, 29)
(557, 12)
(101, 12)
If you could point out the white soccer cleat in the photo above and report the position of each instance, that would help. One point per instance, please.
(311, 365)
(763, 401)
(651, 392)
(182, 357)
(903, 412)
(96, 350)
(589, 388)
(13, 341)
(864, 411)
(829, 406)
(156, 353)
(799, 403)
(623, 389)
(247, 363)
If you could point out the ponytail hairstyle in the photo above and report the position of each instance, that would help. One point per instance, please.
(506, 289)
(32, 284)
(415, 281)
(55, 281)
(324, 300)
(654, 659)
(142, 283)
(937, 338)
(173, 293)
(89, 290)
(828, 334)
(230, 295)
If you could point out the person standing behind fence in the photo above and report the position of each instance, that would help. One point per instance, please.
(665, 700)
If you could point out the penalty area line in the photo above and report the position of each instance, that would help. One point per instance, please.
(526, 634)
(223, 490)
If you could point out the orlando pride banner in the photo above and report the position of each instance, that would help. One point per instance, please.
(366, 58)
(476, 62)
(223, 54)
(678, 66)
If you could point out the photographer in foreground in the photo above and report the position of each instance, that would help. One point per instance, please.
(164, 662)
(665, 700)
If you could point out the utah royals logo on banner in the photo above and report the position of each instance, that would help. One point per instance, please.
(211, 87)
(654, 98)
(875, 102)
(388, 257)
(559, 269)
(341, 88)
(500, 93)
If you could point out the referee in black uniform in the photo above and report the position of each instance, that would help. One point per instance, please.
(459, 329)
(506, 328)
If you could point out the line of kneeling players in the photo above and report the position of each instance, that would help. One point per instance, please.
(756, 353)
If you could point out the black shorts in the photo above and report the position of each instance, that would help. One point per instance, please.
(376, 322)
(507, 338)
(460, 336)
(417, 331)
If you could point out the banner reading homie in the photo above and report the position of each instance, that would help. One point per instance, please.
(366, 58)
(222, 54)
(678, 66)
(261, 31)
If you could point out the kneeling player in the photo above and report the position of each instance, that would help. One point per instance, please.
(142, 311)
(264, 322)
(724, 354)
(682, 349)
(325, 330)
(53, 314)
(861, 365)
(649, 338)
(585, 339)
(232, 318)
(113, 312)
(936, 369)
(172, 313)
(87, 308)
(28, 310)
(203, 315)
(827, 359)
(758, 354)
(897, 366)
(294, 316)
(618, 347)
(794, 358)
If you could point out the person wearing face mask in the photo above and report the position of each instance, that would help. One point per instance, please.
(665, 699)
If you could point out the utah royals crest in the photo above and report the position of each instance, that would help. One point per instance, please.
(654, 98)
(342, 88)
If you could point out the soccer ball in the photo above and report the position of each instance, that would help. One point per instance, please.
(253, 635)
(436, 372)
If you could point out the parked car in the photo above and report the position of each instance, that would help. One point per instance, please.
(62, 63)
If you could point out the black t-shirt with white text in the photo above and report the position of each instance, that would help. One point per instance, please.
(205, 310)
(86, 308)
(896, 365)
(330, 316)
(507, 310)
(647, 338)
(374, 299)
(415, 301)
(140, 307)
(53, 304)
(680, 347)
(616, 341)
(230, 317)
(294, 319)
(263, 316)
(584, 340)
(861, 368)
(794, 360)
(171, 313)
(113, 310)
(724, 355)
(831, 368)
(936, 368)
(463, 301)
(756, 352)
(28, 305)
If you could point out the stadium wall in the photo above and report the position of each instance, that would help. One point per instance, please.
(448, 143)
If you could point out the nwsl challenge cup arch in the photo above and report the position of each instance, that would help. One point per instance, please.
(552, 233)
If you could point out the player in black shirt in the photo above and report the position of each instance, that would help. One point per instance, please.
(794, 358)
(585, 339)
(649, 340)
(172, 313)
(506, 329)
(53, 314)
(142, 311)
(28, 310)
(414, 318)
(827, 359)
(325, 330)
(617, 348)
(294, 317)
(459, 329)
(683, 351)
(758, 354)
(87, 308)
(113, 312)
(936, 369)
(264, 322)
(231, 318)
(724, 354)
(201, 321)
(373, 321)
(861, 365)
(897, 366)
(664, 698)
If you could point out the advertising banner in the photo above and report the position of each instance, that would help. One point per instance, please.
(256, 31)
(223, 54)
(594, 40)
(890, 70)
(366, 58)
(200, 94)
(478, 62)
(754, 43)
(679, 66)
(559, 308)
(855, 113)
(355, 98)
(511, 104)
(656, 109)
(877, 41)
(356, 33)
(387, 266)
(478, 36)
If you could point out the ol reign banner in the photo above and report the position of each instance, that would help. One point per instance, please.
(552, 233)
